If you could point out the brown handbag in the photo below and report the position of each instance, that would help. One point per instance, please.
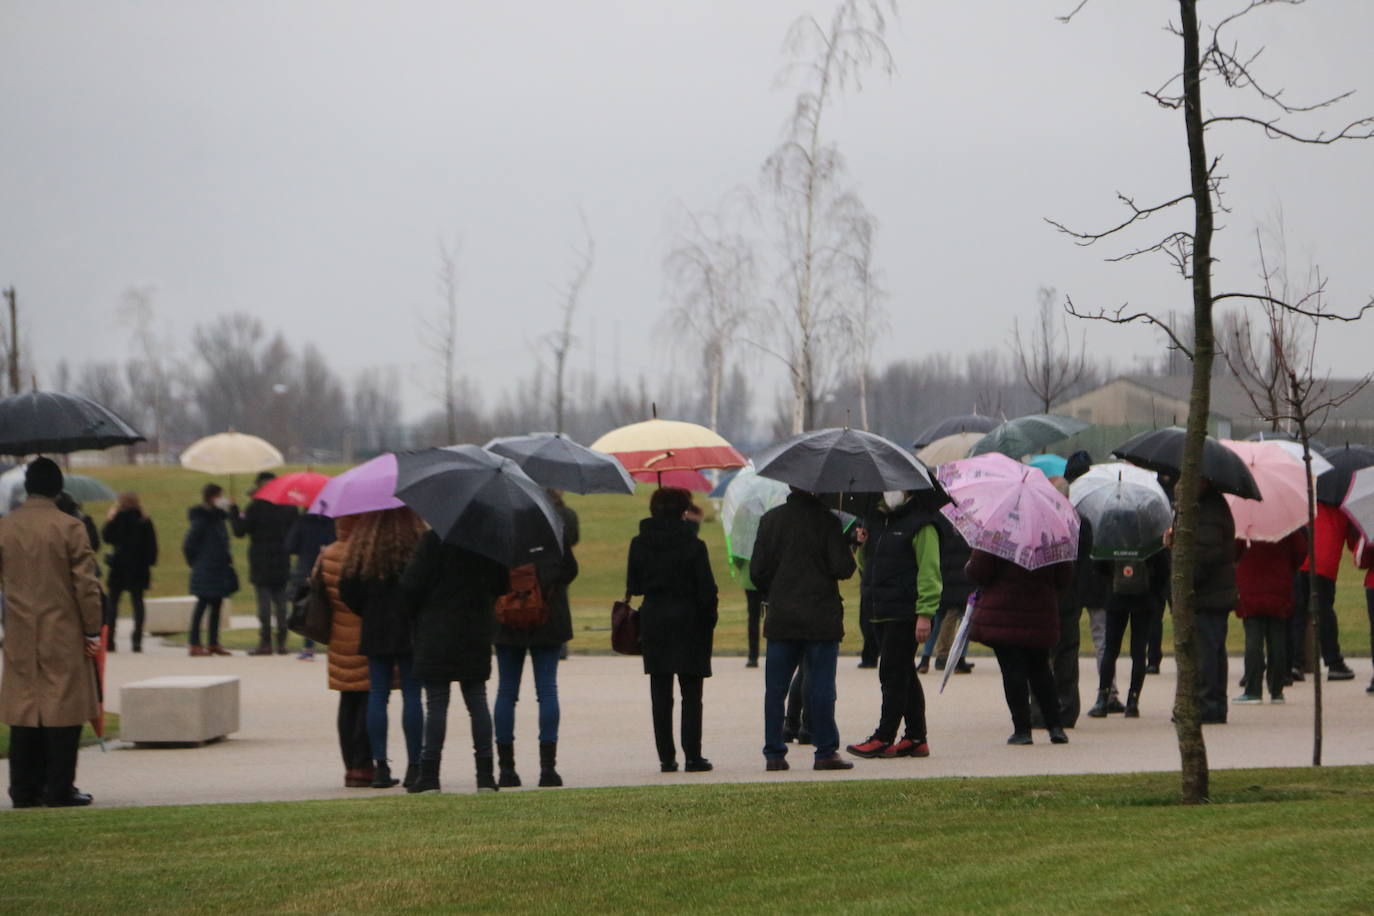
(625, 628)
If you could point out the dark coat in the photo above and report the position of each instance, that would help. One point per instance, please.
(1264, 576)
(887, 590)
(449, 593)
(556, 573)
(800, 555)
(1214, 570)
(669, 566)
(206, 548)
(133, 540)
(1158, 569)
(1015, 606)
(954, 554)
(308, 536)
(266, 526)
(382, 606)
(1091, 589)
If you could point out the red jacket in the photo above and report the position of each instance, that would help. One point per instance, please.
(1264, 575)
(1015, 606)
(1332, 530)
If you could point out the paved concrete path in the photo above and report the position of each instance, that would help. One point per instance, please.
(287, 748)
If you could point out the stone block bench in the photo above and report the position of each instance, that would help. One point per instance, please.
(179, 709)
(173, 615)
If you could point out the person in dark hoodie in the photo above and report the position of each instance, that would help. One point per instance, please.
(133, 540)
(266, 526)
(206, 549)
(668, 565)
(308, 536)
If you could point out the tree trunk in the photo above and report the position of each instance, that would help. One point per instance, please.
(1311, 635)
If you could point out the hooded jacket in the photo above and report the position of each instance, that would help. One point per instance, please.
(133, 540)
(800, 556)
(668, 565)
(206, 549)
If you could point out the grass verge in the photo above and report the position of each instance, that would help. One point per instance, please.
(87, 733)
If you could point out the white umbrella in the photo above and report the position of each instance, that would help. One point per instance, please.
(1359, 502)
(948, 448)
(231, 453)
(1102, 475)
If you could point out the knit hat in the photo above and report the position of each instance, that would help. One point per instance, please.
(1077, 465)
(43, 478)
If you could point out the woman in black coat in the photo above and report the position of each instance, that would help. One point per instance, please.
(133, 541)
(669, 566)
(206, 548)
(450, 592)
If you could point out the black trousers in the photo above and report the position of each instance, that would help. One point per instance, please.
(754, 600)
(661, 696)
(1154, 648)
(1328, 632)
(436, 717)
(112, 613)
(903, 698)
(1211, 647)
(868, 654)
(352, 721)
(212, 627)
(1064, 665)
(1137, 616)
(42, 763)
(1026, 671)
(1266, 655)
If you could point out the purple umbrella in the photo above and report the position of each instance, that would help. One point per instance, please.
(369, 487)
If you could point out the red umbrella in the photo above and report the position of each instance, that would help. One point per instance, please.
(98, 722)
(296, 489)
(695, 481)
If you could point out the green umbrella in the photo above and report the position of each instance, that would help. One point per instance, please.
(1028, 435)
(81, 488)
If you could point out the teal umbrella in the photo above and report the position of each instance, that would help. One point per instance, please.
(1052, 465)
(79, 487)
(1028, 435)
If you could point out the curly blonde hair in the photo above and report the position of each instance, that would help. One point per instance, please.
(381, 543)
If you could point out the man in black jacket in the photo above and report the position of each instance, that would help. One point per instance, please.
(800, 555)
(266, 526)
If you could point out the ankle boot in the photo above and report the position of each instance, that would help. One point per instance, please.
(1099, 710)
(264, 648)
(486, 781)
(281, 643)
(548, 757)
(428, 779)
(381, 775)
(412, 774)
(1133, 704)
(505, 754)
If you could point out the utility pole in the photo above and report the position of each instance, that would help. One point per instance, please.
(13, 354)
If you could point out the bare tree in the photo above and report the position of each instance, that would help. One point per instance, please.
(869, 320)
(561, 341)
(1208, 53)
(806, 175)
(9, 337)
(138, 312)
(377, 410)
(1050, 368)
(439, 335)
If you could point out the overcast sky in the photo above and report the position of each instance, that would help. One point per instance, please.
(298, 160)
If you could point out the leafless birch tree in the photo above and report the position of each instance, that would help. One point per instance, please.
(561, 341)
(439, 335)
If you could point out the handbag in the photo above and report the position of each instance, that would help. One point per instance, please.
(312, 616)
(625, 628)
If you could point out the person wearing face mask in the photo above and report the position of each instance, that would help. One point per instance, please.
(901, 584)
(206, 549)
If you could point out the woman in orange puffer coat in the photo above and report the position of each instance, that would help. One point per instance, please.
(347, 665)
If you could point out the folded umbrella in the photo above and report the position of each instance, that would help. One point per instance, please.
(1282, 483)
(300, 488)
(1128, 520)
(1028, 435)
(49, 422)
(367, 487)
(1162, 450)
(948, 448)
(1010, 510)
(553, 460)
(846, 461)
(480, 501)
(1359, 502)
(951, 426)
(1345, 461)
(746, 499)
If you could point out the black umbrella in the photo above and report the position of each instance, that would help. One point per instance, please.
(479, 501)
(846, 461)
(48, 422)
(1345, 461)
(967, 423)
(1161, 450)
(555, 461)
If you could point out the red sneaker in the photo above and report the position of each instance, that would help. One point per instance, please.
(873, 747)
(906, 748)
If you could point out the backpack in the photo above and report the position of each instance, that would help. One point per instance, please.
(1130, 577)
(523, 607)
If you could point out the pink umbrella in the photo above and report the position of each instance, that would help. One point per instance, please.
(1282, 482)
(298, 489)
(369, 487)
(686, 480)
(1010, 510)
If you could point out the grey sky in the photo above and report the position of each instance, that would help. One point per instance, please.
(299, 159)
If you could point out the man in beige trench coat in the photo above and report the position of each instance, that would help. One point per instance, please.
(52, 631)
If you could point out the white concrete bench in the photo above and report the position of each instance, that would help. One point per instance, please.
(173, 615)
(179, 709)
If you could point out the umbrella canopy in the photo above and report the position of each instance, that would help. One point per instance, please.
(846, 461)
(301, 488)
(952, 426)
(1128, 519)
(1263, 436)
(553, 460)
(668, 445)
(1051, 465)
(1359, 502)
(367, 487)
(1028, 435)
(1282, 483)
(1162, 450)
(1101, 475)
(480, 501)
(747, 498)
(79, 487)
(723, 480)
(39, 422)
(695, 481)
(1345, 461)
(1010, 510)
(231, 453)
(948, 448)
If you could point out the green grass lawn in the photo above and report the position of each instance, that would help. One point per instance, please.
(608, 523)
(87, 733)
(1027, 844)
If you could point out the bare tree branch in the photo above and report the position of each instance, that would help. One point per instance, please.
(1121, 316)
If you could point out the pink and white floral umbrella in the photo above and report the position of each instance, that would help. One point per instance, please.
(1010, 510)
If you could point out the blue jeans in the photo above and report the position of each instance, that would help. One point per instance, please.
(379, 671)
(784, 655)
(510, 667)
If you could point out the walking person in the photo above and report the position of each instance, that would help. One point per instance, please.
(266, 526)
(348, 670)
(206, 549)
(379, 547)
(801, 555)
(53, 608)
(133, 540)
(901, 584)
(450, 593)
(669, 566)
(310, 534)
(1137, 592)
(1264, 579)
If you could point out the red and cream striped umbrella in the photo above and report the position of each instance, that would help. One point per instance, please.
(659, 446)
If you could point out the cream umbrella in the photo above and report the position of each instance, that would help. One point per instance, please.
(231, 453)
(948, 448)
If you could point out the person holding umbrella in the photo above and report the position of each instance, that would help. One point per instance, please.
(206, 549)
(266, 526)
(131, 535)
(1264, 579)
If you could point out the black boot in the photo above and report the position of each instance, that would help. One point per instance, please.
(505, 758)
(138, 641)
(428, 780)
(1133, 704)
(486, 781)
(412, 775)
(548, 758)
(281, 642)
(381, 775)
(1099, 710)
